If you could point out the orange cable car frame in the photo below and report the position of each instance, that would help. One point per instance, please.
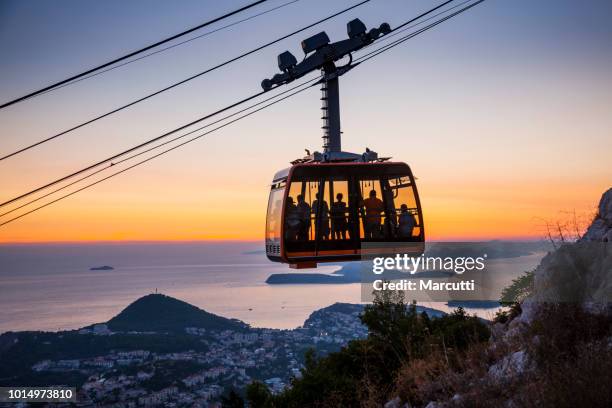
(321, 244)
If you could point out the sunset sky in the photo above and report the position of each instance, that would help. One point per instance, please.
(503, 114)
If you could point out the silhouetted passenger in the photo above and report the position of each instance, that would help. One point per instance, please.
(321, 212)
(374, 208)
(303, 210)
(390, 226)
(338, 218)
(292, 220)
(407, 222)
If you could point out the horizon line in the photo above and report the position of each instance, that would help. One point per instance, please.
(259, 241)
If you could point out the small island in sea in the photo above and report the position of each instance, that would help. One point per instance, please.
(101, 268)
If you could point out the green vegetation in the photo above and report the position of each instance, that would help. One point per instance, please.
(568, 364)
(232, 400)
(518, 290)
(161, 313)
(258, 394)
(365, 370)
(513, 295)
(563, 329)
(562, 359)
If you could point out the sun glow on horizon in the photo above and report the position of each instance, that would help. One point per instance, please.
(449, 214)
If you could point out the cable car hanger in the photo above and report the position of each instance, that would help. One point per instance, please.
(320, 54)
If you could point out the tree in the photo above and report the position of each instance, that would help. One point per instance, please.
(366, 369)
(458, 330)
(232, 400)
(394, 326)
(258, 395)
(519, 289)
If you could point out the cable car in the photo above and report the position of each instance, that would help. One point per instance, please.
(336, 205)
(329, 212)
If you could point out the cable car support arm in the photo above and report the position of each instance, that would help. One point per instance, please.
(320, 54)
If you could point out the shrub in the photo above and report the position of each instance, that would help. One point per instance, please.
(232, 400)
(562, 328)
(504, 316)
(518, 290)
(580, 382)
(258, 395)
(365, 372)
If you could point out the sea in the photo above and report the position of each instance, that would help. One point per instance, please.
(50, 287)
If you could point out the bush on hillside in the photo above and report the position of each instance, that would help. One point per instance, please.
(364, 372)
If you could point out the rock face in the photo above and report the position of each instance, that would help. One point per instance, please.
(601, 228)
(578, 272)
(511, 365)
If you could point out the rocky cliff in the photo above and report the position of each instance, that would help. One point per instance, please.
(579, 272)
(556, 351)
(600, 229)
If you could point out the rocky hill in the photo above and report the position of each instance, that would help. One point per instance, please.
(579, 272)
(554, 348)
(600, 229)
(161, 313)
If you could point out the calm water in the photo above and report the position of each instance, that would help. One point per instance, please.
(50, 287)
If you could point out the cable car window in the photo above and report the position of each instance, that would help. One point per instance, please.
(320, 211)
(372, 210)
(300, 211)
(274, 219)
(405, 207)
(340, 217)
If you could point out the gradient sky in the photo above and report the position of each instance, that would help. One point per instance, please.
(503, 113)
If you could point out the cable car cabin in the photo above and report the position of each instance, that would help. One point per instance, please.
(324, 212)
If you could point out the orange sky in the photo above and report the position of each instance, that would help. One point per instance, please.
(451, 212)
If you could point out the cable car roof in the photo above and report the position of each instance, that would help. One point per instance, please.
(281, 175)
(284, 173)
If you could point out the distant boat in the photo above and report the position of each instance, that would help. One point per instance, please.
(102, 268)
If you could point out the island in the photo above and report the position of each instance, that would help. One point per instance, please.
(101, 268)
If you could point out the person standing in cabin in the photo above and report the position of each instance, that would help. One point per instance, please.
(374, 208)
(303, 209)
(320, 209)
(338, 218)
